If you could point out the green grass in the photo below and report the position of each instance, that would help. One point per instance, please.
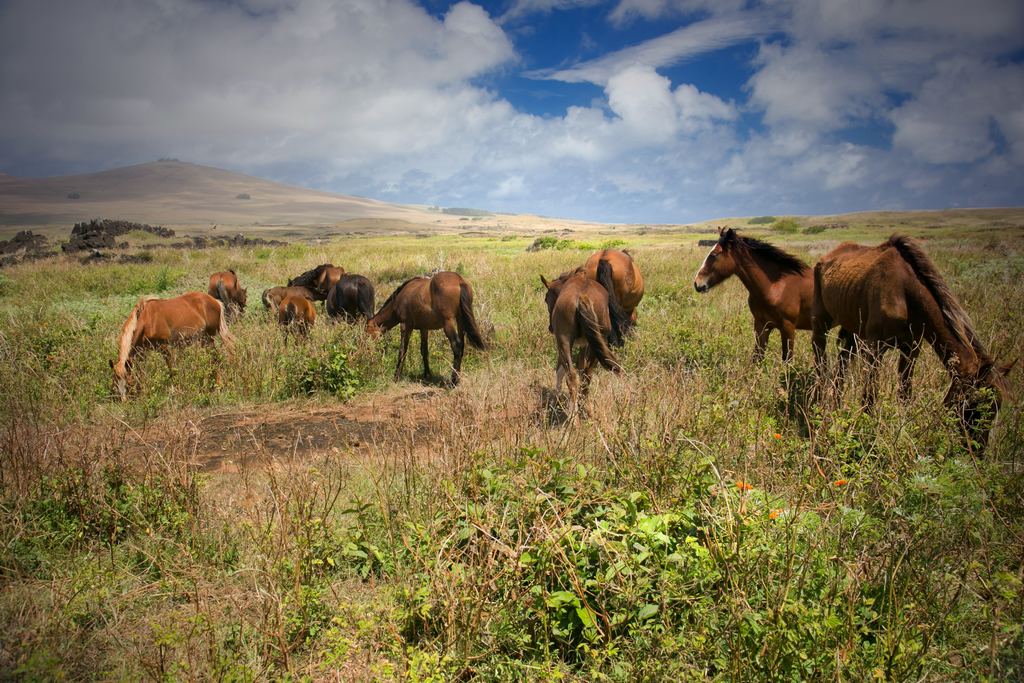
(702, 519)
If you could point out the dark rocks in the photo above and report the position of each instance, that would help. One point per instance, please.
(100, 234)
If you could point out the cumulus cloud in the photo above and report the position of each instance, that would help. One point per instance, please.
(378, 97)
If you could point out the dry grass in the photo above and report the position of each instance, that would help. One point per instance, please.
(691, 509)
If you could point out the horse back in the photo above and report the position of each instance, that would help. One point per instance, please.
(228, 277)
(626, 276)
(865, 289)
(180, 317)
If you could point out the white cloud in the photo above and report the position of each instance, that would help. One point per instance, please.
(672, 48)
(520, 9)
(377, 97)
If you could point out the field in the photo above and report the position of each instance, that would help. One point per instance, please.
(309, 518)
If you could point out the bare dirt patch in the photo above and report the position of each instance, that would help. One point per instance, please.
(228, 440)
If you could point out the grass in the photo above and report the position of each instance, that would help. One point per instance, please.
(309, 518)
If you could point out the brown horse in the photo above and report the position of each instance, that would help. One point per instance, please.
(319, 280)
(224, 287)
(442, 301)
(581, 311)
(780, 286)
(351, 296)
(625, 280)
(272, 297)
(893, 296)
(296, 313)
(161, 323)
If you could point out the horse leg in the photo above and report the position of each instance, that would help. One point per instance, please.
(788, 333)
(762, 330)
(908, 355)
(873, 353)
(426, 355)
(847, 344)
(403, 347)
(458, 343)
(563, 347)
(586, 368)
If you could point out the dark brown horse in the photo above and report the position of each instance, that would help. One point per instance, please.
(272, 297)
(624, 280)
(581, 311)
(162, 323)
(780, 286)
(319, 280)
(351, 297)
(892, 296)
(296, 313)
(442, 301)
(224, 287)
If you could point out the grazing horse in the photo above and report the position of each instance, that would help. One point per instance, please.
(581, 311)
(625, 279)
(893, 296)
(780, 286)
(319, 280)
(272, 297)
(224, 287)
(442, 301)
(296, 313)
(160, 323)
(351, 297)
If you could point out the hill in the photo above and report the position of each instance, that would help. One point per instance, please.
(180, 193)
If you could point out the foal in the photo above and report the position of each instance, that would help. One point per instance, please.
(780, 286)
(443, 301)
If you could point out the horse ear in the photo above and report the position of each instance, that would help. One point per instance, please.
(728, 235)
(545, 282)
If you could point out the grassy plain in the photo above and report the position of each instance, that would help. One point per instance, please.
(311, 519)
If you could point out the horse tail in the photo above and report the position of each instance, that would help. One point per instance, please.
(586, 318)
(621, 322)
(265, 297)
(291, 311)
(332, 304)
(366, 299)
(222, 328)
(466, 319)
(222, 292)
(952, 312)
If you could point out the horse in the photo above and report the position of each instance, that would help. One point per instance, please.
(224, 287)
(892, 296)
(581, 311)
(319, 280)
(780, 286)
(296, 313)
(272, 297)
(442, 301)
(625, 279)
(351, 297)
(161, 323)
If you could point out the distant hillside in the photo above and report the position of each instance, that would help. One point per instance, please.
(179, 193)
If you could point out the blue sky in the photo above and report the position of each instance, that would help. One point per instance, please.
(657, 111)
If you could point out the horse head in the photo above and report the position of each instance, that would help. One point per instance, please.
(120, 379)
(719, 264)
(976, 398)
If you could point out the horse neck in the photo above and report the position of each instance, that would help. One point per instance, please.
(386, 318)
(751, 272)
(959, 358)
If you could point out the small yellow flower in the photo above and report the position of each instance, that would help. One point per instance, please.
(743, 486)
(840, 482)
(774, 514)
(776, 435)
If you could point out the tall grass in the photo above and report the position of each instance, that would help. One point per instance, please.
(700, 518)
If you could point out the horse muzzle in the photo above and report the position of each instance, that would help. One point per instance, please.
(701, 287)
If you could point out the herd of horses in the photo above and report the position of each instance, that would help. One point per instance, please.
(882, 297)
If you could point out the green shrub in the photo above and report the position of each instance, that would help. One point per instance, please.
(786, 225)
(329, 374)
(762, 220)
(613, 244)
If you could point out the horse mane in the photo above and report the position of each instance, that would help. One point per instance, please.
(124, 342)
(395, 293)
(786, 262)
(309, 278)
(952, 311)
